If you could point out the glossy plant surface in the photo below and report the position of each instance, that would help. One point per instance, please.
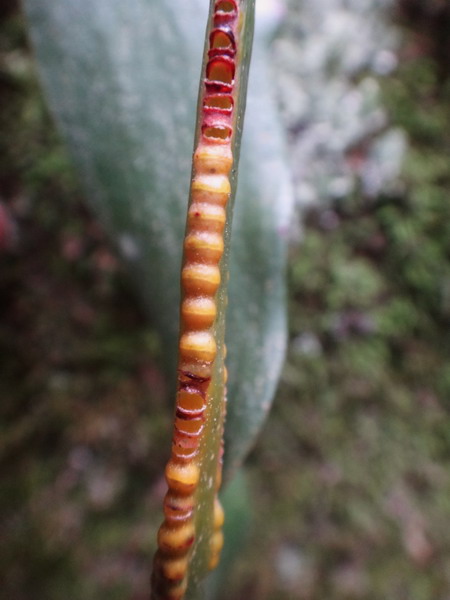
(192, 530)
(122, 83)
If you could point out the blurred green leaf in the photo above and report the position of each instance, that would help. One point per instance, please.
(122, 82)
(236, 501)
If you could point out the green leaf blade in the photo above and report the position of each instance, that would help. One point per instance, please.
(122, 83)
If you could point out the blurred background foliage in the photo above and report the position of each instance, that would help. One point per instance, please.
(350, 480)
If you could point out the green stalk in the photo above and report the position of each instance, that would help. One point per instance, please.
(212, 439)
(196, 457)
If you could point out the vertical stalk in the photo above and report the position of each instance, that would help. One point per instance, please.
(190, 538)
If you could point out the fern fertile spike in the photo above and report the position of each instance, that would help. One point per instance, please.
(200, 280)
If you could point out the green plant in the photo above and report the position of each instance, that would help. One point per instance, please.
(121, 83)
(190, 540)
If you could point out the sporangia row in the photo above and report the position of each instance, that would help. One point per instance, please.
(200, 280)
